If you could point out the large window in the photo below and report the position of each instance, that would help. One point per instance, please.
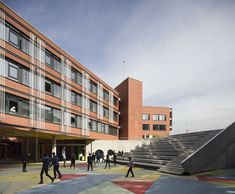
(17, 38)
(13, 38)
(17, 105)
(53, 61)
(115, 101)
(115, 116)
(106, 112)
(146, 116)
(106, 95)
(52, 88)
(17, 72)
(146, 127)
(159, 127)
(13, 71)
(93, 87)
(159, 117)
(93, 106)
(76, 98)
(56, 116)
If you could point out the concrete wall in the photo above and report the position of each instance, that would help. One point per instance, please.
(122, 145)
(216, 154)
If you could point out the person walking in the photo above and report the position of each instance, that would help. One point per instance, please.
(55, 163)
(89, 162)
(130, 165)
(24, 162)
(73, 159)
(114, 159)
(45, 167)
(64, 155)
(107, 161)
(93, 158)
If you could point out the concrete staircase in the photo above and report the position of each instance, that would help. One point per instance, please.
(166, 154)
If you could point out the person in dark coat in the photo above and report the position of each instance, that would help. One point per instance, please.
(56, 165)
(130, 165)
(45, 167)
(24, 161)
(73, 159)
(93, 158)
(89, 162)
(107, 161)
(114, 159)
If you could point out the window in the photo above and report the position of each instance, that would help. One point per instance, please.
(25, 76)
(79, 121)
(159, 127)
(18, 39)
(48, 114)
(13, 38)
(112, 130)
(48, 86)
(73, 97)
(13, 71)
(52, 88)
(53, 61)
(159, 117)
(13, 106)
(146, 127)
(57, 90)
(146, 116)
(48, 60)
(79, 99)
(106, 95)
(73, 120)
(79, 78)
(17, 105)
(93, 87)
(24, 45)
(115, 101)
(94, 125)
(115, 116)
(56, 116)
(106, 112)
(93, 106)
(73, 75)
(25, 108)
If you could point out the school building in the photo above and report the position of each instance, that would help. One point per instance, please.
(49, 100)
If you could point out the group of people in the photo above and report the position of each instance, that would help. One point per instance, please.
(48, 162)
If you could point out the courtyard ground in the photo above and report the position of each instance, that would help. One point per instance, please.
(112, 181)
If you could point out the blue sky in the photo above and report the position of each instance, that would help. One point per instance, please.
(182, 50)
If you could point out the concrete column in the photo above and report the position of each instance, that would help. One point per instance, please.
(36, 148)
(54, 144)
(26, 145)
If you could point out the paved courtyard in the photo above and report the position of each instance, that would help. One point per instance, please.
(113, 181)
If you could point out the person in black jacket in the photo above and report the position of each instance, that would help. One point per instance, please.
(45, 167)
(89, 162)
(24, 161)
(130, 165)
(107, 161)
(55, 163)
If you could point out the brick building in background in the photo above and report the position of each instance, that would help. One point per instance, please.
(49, 100)
(138, 121)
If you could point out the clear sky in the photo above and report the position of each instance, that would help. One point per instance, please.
(183, 51)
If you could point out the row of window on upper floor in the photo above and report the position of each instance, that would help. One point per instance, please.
(21, 41)
(156, 117)
(146, 127)
(22, 107)
(23, 75)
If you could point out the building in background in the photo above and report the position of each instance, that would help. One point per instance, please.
(48, 100)
(138, 121)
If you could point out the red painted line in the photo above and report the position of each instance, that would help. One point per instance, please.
(136, 187)
(71, 176)
(206, 178)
